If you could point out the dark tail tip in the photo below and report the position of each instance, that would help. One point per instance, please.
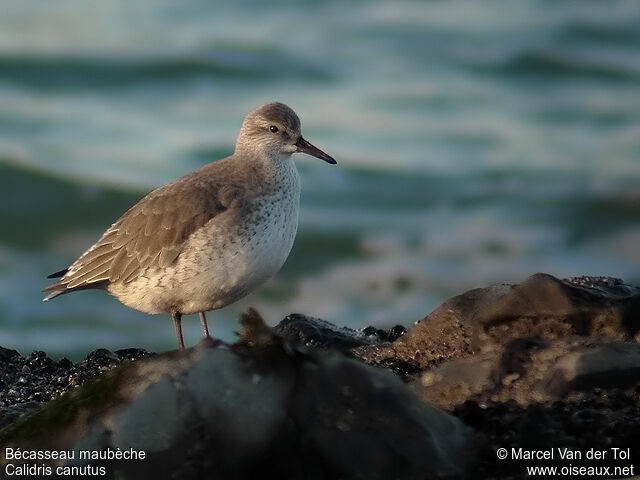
(59, 274)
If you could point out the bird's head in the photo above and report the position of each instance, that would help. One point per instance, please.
(274, 129)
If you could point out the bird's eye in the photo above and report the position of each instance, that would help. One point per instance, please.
(273, 129)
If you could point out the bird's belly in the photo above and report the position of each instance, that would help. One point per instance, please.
(246, 261)
(220, 263)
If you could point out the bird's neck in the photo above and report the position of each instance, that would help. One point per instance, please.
(280, 168)
(269, 170)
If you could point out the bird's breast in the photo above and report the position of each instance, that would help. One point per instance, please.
(230, 257)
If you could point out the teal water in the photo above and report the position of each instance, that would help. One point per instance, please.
(477, 143)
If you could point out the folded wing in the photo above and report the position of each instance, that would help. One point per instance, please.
(150, 234)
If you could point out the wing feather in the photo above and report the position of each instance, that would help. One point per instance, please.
(151, 234)
(92, 273)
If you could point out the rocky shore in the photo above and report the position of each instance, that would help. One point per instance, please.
(547, 365)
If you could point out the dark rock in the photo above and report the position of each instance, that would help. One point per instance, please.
(362, 344)
(131, 353)
(26, 382)
(399, 367)
(262, 407)
(608, 285)
(590, 421)
(381, 335)
(12, 412)
(396, 332)
(7, 355)
(313, 332)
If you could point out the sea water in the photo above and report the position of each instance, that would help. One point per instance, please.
(477, 142)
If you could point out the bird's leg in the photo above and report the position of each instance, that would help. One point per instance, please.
(203, 324)
(177, 326)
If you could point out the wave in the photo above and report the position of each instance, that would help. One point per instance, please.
(70, 72)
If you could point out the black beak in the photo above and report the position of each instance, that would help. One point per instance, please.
(306, 147)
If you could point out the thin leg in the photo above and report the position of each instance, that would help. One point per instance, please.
(203, 324)
(177, 326)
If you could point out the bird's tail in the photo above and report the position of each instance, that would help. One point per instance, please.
(53, 294)
(62, 286)
(56, 288)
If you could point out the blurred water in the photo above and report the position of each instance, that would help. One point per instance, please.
(477, 143)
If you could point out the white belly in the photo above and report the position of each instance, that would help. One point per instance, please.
(246, 260)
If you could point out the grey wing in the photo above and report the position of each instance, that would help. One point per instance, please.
(150, 234)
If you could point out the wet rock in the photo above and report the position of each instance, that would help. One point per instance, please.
(314, 332)
(261, 407)
(362, 343)
(381, 335)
